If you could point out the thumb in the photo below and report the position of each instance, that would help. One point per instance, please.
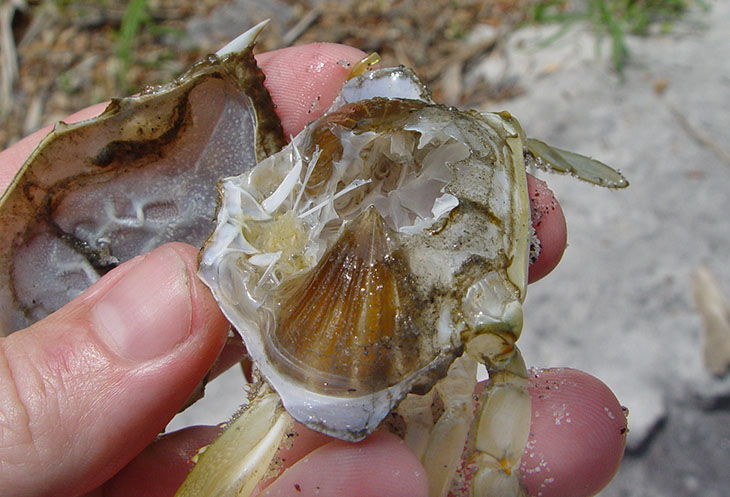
(86, 389)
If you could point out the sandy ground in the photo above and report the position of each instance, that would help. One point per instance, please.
(620, 304)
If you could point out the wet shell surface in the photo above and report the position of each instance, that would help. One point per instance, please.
(358, 261)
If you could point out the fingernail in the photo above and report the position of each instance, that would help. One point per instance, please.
(148, 312)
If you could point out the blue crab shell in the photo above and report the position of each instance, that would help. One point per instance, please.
(97, 193)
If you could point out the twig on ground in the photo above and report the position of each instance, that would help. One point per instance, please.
(301, 27)
(699, 135)
(8, 54)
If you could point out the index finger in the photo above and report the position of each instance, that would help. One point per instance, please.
(303, 81)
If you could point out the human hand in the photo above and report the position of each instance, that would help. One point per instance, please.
(84, 393)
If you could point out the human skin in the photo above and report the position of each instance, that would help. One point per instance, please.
(85, 392)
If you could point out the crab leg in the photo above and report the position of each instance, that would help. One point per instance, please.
(235, 462)
(499, 429)
(502, 423)
(439, 443)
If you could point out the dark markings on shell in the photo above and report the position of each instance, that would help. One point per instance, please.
(129, 151)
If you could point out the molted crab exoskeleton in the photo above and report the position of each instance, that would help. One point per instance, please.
(369, 266)
(385, 247)
(360, 260)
